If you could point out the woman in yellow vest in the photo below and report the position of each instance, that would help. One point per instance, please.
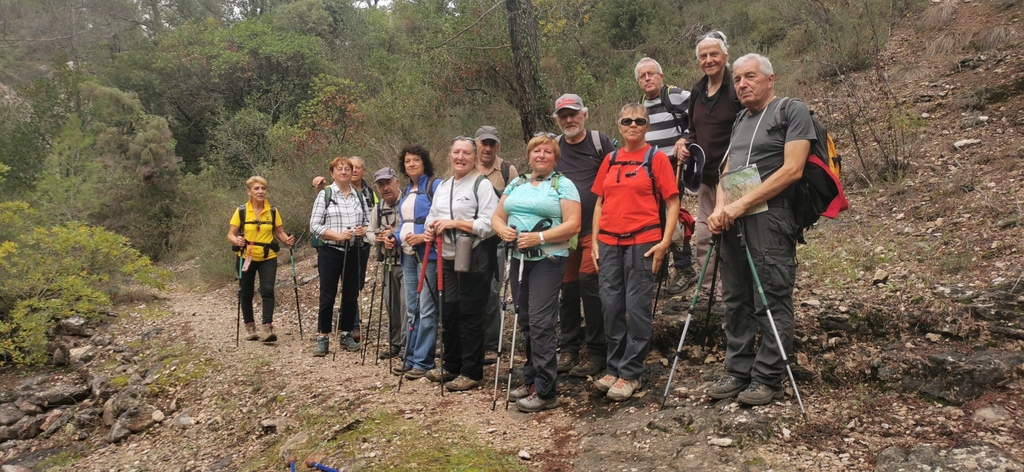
(258, 253)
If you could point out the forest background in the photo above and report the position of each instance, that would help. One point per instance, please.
(128, 128)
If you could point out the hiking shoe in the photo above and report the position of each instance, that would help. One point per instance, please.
(490, 357)
(605, 383)
(414, 374)
(623, 389)
(759, 394)
(521, 392)
(250, 332)
(270, 337)
(434, 375)
(535, 403)
(400, 369)
(462, 383)
(393, 352)
(588, 368)
(686, 279)
(322, 343)
(355, 334)
(347, 343)
(566, 361)
(727, 387)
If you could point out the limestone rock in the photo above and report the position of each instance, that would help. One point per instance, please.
(10, 414)
(74, 326)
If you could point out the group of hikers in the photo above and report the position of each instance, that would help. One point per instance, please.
(582, 236)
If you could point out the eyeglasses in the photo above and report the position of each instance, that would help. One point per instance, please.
(647, 75)
(630, 121)
(544, 133)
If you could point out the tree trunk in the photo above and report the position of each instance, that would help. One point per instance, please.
(527, 88)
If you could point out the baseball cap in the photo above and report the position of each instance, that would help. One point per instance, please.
(385, 173)
(487, 132)
(570, 101)
(693, 167)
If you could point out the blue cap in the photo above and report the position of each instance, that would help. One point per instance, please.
(693, 167)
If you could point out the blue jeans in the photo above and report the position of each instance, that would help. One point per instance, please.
(421, 314)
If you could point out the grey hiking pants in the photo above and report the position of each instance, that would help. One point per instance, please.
(771, 238)
(627, 289)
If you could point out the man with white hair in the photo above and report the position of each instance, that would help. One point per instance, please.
(666, 107)
(754, 212)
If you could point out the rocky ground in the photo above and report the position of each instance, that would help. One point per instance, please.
(908, 354)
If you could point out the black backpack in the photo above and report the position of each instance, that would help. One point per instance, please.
(818, 192)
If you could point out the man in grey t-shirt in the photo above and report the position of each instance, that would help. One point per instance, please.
(763, 148)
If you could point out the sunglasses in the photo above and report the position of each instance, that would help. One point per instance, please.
(544, 133)
(463, 138)
(712, 34)
(630, 121)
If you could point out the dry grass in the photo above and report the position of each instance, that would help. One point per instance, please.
(946, 43)
(999, 37)
(936, 17)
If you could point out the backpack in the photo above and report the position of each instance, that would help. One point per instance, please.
(675, 110)
(429, 192)
(555, 177)
(595, 137)
(647, 165)
(818, 192)
(273, 245)
(316, 241)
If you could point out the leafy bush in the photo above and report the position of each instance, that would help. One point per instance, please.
(54, 273)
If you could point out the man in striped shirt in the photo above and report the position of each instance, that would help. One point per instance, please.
(668, 124)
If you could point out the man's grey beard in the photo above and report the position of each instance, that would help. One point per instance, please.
(572, 134)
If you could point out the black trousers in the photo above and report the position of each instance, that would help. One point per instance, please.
(331, 263)
(267, 271)
(462, 317)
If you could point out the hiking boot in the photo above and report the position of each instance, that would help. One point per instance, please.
(623, 389)
(605, 383)
(355, 334)
(393, 352)
(490, 357)
(535, 403)
(759, 394)
(687, 278)
(347, 343)
(588, 368)
(268, 330)
(322, 343)
(521, 392)
(250, 332)
(462, 383)
(727, 387)
(434, 375)
(400, 369)
(566, 361)
(414, 374)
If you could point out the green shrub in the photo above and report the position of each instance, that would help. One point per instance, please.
(54, 273)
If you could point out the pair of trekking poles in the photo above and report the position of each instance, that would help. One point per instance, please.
(438, 299)
(714, 248)
(295, 285)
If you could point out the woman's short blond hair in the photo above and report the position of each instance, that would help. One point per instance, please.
(255, 180)
(541, 141)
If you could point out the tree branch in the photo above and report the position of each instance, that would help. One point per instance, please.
(463, 30)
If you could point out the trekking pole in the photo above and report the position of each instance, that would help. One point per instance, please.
(295, 285)
(501, 326)
(711, 298)
(385, 286)
(686, 325)
(238, 318)
(369, 320)
(662, 275)
(440, 301)
(341, 296)
(312, 464)
(515, 326)
(771, 320)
